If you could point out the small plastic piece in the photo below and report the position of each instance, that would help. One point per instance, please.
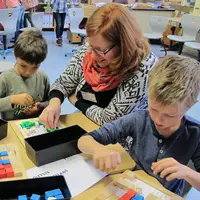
(22, 197)
(49, 194)
(3, 153)
(5, 162)
(35, 197)
(129, 195)
(60, 196)
(56, 192)
(138, 197)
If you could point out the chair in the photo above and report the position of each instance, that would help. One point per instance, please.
(195, 45)
(190, 25)
(8, 18)
(158, 25)
(37, 19)
(76, 15)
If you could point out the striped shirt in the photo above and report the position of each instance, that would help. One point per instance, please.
(59, 6)
(11, 3)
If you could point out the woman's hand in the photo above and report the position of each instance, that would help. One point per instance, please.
(106, 159)
(50, 115)
(169, 168)
(73, 99)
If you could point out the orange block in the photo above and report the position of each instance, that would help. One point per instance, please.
(2, 173)
(9, 172)
(131, 193)
(1, 166)
(7, 166)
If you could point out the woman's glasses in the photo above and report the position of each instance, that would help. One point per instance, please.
(99, 51)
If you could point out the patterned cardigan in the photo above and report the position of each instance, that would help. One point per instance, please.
(130, 95)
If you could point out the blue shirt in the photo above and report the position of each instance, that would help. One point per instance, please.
(59, 6)
(149, 146)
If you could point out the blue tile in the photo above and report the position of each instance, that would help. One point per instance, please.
(3, 153)
(57, 192)
(5, 162)
(48, 194)
(22, 197)
(35, 197)
(59, 196)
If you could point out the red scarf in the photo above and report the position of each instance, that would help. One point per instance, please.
(100, 79)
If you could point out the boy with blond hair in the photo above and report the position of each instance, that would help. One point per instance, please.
(164, 139)
(24, 88)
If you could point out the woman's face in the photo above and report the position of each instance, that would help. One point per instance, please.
(103, 51)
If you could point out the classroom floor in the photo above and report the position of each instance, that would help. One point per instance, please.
(56, 62)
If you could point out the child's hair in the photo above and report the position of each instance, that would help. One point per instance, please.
(175, 79)
(31, 47)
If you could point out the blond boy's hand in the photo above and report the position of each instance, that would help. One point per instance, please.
(169, 168)
(106, 159)
(21, 99)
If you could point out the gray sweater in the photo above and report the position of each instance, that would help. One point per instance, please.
(12, 83)
(149, 146)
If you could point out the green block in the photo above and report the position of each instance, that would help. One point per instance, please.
(40, 123)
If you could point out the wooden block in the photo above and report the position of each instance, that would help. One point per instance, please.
(5, 158)
(112, 197)
(152, 197)
(103, 196)
(129, 175)
(17, 172)
(123, 184)
(176, 197)
(3, 148)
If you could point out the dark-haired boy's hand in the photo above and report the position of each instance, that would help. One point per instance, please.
(106, 159)
(21, 99)
(33, 111)
(169, 168)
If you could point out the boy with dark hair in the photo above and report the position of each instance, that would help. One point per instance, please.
(24, 89)
(164, 139)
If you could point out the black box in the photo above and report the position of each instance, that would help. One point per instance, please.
(49, 147)
(12, 189)
(3, 128)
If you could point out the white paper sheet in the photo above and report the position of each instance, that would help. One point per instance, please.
(79, 173)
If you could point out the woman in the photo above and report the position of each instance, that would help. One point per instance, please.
(107, 78)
